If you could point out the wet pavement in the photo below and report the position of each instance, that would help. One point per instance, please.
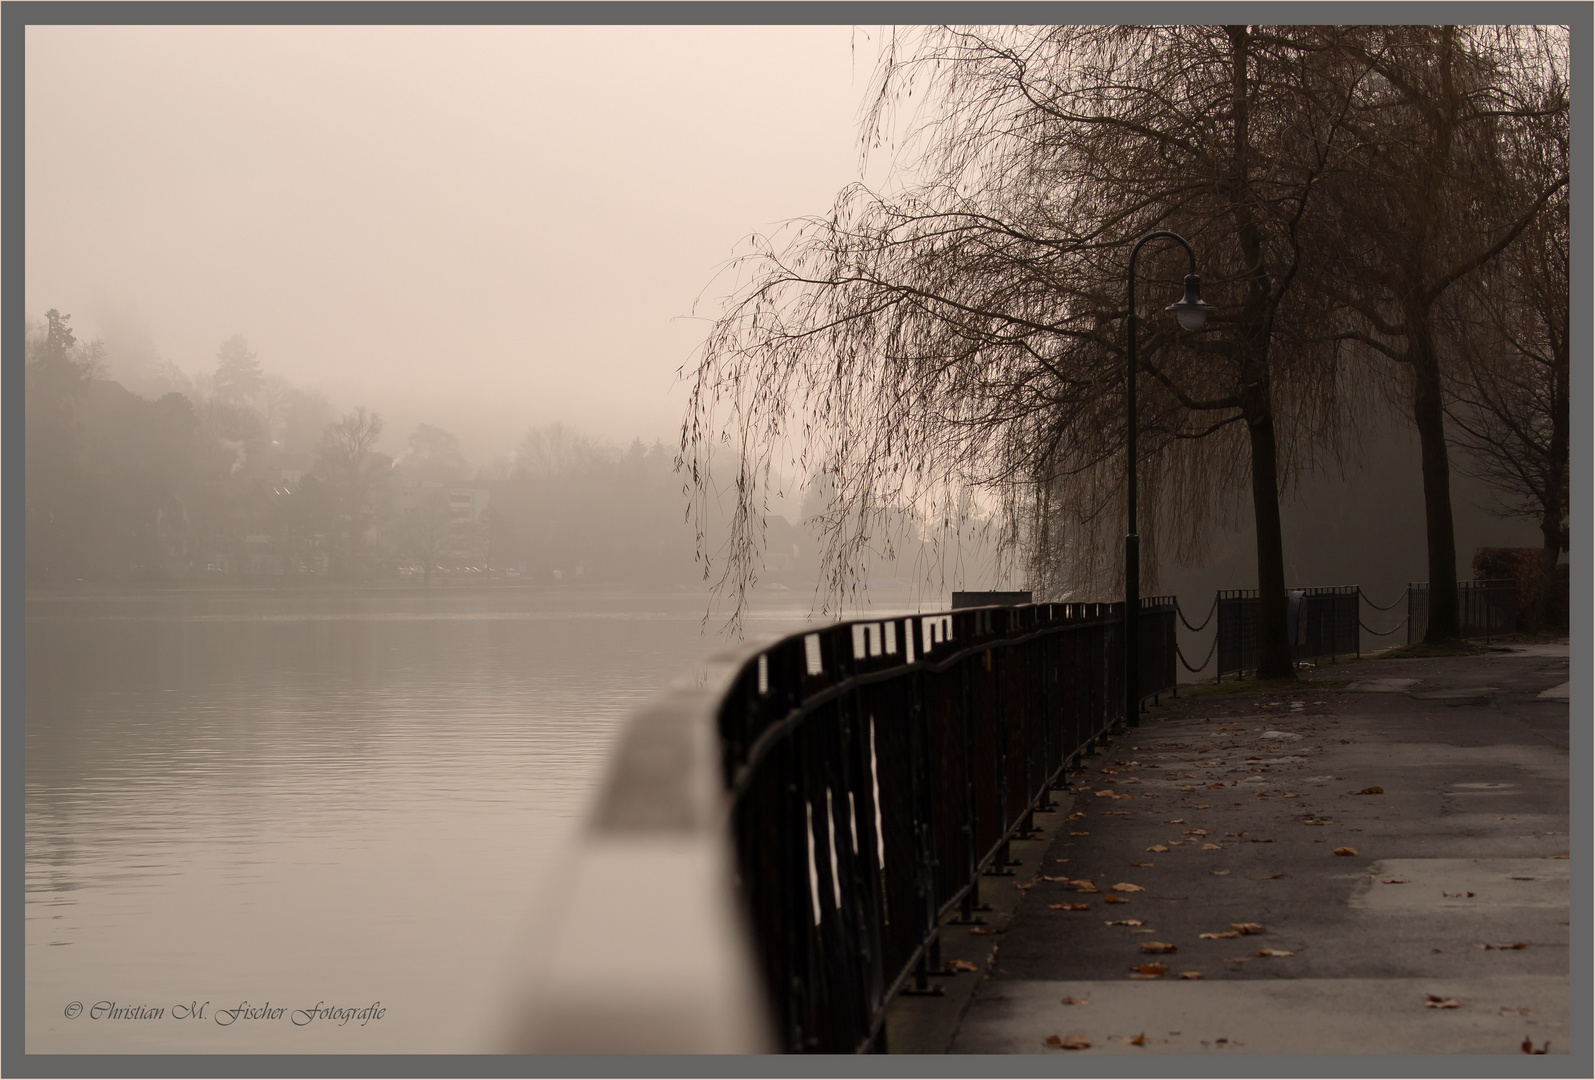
(1375, 861)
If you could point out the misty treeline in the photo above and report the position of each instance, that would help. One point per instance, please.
(1379, 215)
(240, 476)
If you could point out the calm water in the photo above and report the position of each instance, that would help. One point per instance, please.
(293, 798)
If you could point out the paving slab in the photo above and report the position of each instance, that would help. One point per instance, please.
(1335, 870)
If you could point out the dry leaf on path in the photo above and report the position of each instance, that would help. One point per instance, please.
(1212, 847)
(1076, 816)
(1139, 1040)
(1345, 851)
(1111, 899)
(1528, 1046)
(1023, 885)
(1375, 790)
(1143, 864)
(962, 965)
(1270, 877)
(1195, 832)
(1435, 1002)
(1217, 935)
(1274, 952)
(985, 930)
(1158, 947)
(1125, 886)
(1218, 873)
(1049, 877)
(1515, 945)
(1076, 1042)
(1070, 907)
(1067, 1000)
(1248, 927)
(1159, 848)
(1072, 833)
(1153, 970)
(1125, 922)
(1204, 806)
(1103, 794)
(1175, 821)
(1191, 975)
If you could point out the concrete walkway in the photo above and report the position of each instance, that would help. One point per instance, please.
(1374, 862)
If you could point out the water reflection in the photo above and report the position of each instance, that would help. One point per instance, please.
(344, 797)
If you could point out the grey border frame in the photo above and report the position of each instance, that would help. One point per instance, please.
(18, 14)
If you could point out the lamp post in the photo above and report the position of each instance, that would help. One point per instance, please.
(1191, 314)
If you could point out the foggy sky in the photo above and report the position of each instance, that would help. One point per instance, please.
(480, 227)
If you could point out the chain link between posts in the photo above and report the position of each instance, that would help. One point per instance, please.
(1388, 606)
(1383, 633)
(1198, 669)
(1183, 619)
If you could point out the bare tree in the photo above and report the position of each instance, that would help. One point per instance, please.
(963, 331)
(1437, 195)
(349, 464)
(1508, 399)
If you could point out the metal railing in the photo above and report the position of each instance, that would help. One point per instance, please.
(878, 770)
(1484, 608)
(1321, 622)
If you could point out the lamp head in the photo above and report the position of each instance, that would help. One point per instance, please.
(1191, 312)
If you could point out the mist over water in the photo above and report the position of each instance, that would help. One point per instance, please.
(348, 797)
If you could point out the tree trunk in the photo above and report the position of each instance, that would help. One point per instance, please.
(1274, 659)
(1428, 413)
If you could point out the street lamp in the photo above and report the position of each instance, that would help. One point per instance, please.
(1191, 314)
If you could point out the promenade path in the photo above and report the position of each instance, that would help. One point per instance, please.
(1395, 832)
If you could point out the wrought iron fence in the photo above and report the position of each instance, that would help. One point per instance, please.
(877, 770)
(1484, 608)
(1320, 621)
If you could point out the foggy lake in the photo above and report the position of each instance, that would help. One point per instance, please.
(340, 797)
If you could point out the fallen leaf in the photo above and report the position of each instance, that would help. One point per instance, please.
(1393, 881)
(985, 930)
(1104, 794)
(1070, 907)
(1214, 787)
(1111, 899)
(1139, 1040)
(1191, 975)
(1054, 1041)
(1273, 952)
(1528, 1046)
(1023, 885)
(1076, 1042)
(1143, 864)
(1217, 934)
(1159, 848)
(1152, 970)
(1049, 877)
(1175, 843)
(1345, 851)
(1125, 886)
(1195, 832)
(1271, 877)
(1060, 860)
(1248, 927)
(961, 965)
(1291, 795)
(1175, 821)
(1442, 1003)
(1075, 816)
(1319, 821)
(1218, 873)
(1158, 947)
(1515, 945)
(1375, 790)
(1076, 1001)
(1085, 886)
(1079, 834)
(1125, 922)
(1212, 847)
(1558, 856)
